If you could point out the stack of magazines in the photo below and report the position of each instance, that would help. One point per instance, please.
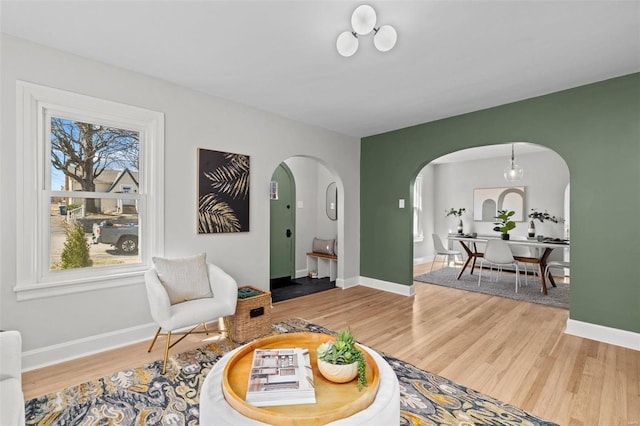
(281, 376)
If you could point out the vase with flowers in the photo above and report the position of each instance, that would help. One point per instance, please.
(457, 213)
(541, 216)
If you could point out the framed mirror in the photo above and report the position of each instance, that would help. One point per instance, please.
(332, 201)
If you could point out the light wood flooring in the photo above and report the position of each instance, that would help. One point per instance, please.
(514, 351)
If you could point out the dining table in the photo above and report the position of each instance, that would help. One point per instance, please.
(541, 251)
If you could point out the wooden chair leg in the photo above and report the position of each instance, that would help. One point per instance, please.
(166, 352)
(154, 339)
(225, 320)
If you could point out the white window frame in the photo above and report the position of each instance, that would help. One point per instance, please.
(418, 229)
(35, 105)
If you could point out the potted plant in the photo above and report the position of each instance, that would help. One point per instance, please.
(341, 361)
(544, 216)
(541, 216)
(458, 214)
(505, 223)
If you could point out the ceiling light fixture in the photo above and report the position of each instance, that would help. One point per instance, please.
(363, 21)
(513, 173)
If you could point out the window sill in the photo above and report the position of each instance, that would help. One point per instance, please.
(59, 288)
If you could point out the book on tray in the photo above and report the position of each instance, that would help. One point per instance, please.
(281, 376)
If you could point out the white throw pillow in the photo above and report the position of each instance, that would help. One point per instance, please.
(323, 246)
(184, 279)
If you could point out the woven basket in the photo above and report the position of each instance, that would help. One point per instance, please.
(252, 318)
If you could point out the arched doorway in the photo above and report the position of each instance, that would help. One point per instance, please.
(313, 217)
(451, 181)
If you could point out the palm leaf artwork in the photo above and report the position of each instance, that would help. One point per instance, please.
(216, 216)
(232, 178)
(224, 192)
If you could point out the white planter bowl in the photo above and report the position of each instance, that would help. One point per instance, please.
(338, 373)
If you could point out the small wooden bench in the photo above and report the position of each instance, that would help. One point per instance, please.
(325, 264)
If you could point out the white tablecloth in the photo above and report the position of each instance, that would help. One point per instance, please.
(385, 409)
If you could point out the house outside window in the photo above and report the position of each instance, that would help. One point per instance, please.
(97, 169)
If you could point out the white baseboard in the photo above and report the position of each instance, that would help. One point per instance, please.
(420, 260)
(600, 333)
(401, 289)
(302, 273)
(347, 283)
(61, 352)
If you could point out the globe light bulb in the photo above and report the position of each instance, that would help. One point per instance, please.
(363, 19)
(513, 172)
(347, 44)
(385, 38)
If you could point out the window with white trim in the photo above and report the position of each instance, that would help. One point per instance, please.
(418, 233)
(90, 168)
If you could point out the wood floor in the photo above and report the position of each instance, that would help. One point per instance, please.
(514, 351)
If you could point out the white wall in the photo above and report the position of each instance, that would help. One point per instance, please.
(545, 179)
(326, 228)
(192, 120)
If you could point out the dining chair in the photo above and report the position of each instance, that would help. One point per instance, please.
(497, 253)
(555, 264)
(522, 251)
(442, 251)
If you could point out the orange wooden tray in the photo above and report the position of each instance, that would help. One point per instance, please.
(333, 401)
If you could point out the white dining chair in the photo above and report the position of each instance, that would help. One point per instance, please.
(559, 264)
(442, 251)
(497, 253)
(523, 251)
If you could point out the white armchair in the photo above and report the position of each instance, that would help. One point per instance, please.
(11, 396)
(189, 313)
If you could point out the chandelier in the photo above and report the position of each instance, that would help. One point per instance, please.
(363, 21)
(513, 173)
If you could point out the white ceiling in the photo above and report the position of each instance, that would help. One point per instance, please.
(451, 57)
(491, 151)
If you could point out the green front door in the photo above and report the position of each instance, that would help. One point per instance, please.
(282, 225)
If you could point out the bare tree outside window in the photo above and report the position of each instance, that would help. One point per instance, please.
(83, 151)
(96, 160)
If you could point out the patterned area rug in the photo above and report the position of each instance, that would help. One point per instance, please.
(143, 396)
(503, 287)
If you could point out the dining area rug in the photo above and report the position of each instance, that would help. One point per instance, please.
(144, 396)
(502, 286)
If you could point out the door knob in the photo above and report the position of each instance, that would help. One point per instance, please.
(289, 233)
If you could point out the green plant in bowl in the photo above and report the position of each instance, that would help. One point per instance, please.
(343, 352)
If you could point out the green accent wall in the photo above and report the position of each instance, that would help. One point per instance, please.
(595, 128)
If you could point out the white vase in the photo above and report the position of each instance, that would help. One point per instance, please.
(531, 231)
(338, 373)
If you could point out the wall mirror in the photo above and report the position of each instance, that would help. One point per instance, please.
(332, 201)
